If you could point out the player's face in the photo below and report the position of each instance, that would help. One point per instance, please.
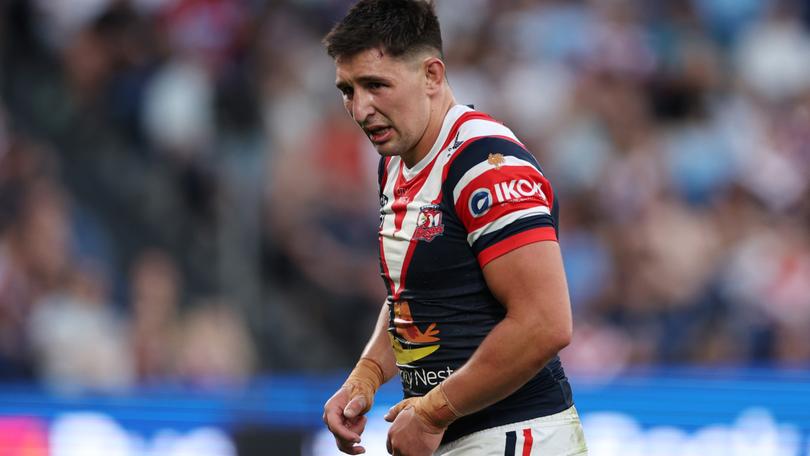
(387, 98)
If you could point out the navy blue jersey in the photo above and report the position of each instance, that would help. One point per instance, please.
(476, 195)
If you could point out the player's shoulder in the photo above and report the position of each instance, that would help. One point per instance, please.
(480, 153)
(479, 135)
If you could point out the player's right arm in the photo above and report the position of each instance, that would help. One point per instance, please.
(344, 413)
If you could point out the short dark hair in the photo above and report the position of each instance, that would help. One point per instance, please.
(399, 27)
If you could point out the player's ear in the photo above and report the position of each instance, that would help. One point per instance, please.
(434, 73)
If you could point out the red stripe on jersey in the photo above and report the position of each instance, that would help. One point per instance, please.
(404, 191)
(545, 233)
(511, 189)
(527, 442)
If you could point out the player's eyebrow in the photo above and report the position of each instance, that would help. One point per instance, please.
(341, 85)
(370, 78)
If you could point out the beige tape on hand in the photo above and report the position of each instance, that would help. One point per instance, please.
(364, 380)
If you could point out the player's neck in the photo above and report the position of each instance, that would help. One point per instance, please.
(432, 131)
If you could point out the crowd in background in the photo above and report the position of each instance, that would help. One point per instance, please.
(183, 198)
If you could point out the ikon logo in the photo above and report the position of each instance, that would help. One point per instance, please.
(480, 201)
(517, 189)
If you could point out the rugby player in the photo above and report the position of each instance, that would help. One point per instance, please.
(477, 305)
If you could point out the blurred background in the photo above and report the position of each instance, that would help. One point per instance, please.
(187, 218)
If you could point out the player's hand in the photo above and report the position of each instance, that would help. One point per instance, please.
(344, 416)
(410, 434)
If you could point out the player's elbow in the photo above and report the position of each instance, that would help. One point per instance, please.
(560, 337)
(552, 338)
(549, 338)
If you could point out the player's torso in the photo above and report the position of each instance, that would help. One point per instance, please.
(438, 223)
(440, 306)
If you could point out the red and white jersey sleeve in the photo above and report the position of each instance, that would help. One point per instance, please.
(501, 197)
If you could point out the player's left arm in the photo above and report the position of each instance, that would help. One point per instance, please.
(530, 283)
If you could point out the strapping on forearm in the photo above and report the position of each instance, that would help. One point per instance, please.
(364, 380)
(435, 408)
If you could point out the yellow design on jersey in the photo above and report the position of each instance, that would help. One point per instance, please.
(406, 356)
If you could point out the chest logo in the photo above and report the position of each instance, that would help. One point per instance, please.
(429, 223)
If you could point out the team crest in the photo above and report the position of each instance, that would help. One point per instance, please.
(496, 160)
(429, 223)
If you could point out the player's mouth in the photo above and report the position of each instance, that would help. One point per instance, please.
(379, 135)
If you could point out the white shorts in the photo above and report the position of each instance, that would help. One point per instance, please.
(554, 435)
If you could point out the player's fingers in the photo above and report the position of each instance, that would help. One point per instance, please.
(355, 407)
(334, 406)
(395, 410)
(337, 425)
(349, 447)
(357, 425)
(344, 433)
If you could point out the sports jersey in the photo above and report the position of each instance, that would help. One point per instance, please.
(476, 195)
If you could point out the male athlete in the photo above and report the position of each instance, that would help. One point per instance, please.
(477, 305)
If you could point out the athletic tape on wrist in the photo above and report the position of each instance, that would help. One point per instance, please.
(435, 409)
(364, 380)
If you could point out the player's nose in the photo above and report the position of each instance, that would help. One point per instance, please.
(362, 107)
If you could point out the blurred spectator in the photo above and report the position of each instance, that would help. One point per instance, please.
(155, 288)
(177, 109)
(213, 348)
(33, 248)
(80, 343)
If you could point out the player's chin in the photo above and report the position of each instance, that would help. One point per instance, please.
(386, 149)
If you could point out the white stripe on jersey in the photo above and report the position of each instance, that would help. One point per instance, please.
(482, 127)
(483, 167)
(505, 220)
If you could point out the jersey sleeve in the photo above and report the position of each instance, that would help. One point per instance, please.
(501, 196)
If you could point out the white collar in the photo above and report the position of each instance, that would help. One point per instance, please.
(449, 119)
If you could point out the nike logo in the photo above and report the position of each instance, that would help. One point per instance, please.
(455, 144)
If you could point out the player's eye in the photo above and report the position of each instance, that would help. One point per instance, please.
(374, 85)
(347, 92)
